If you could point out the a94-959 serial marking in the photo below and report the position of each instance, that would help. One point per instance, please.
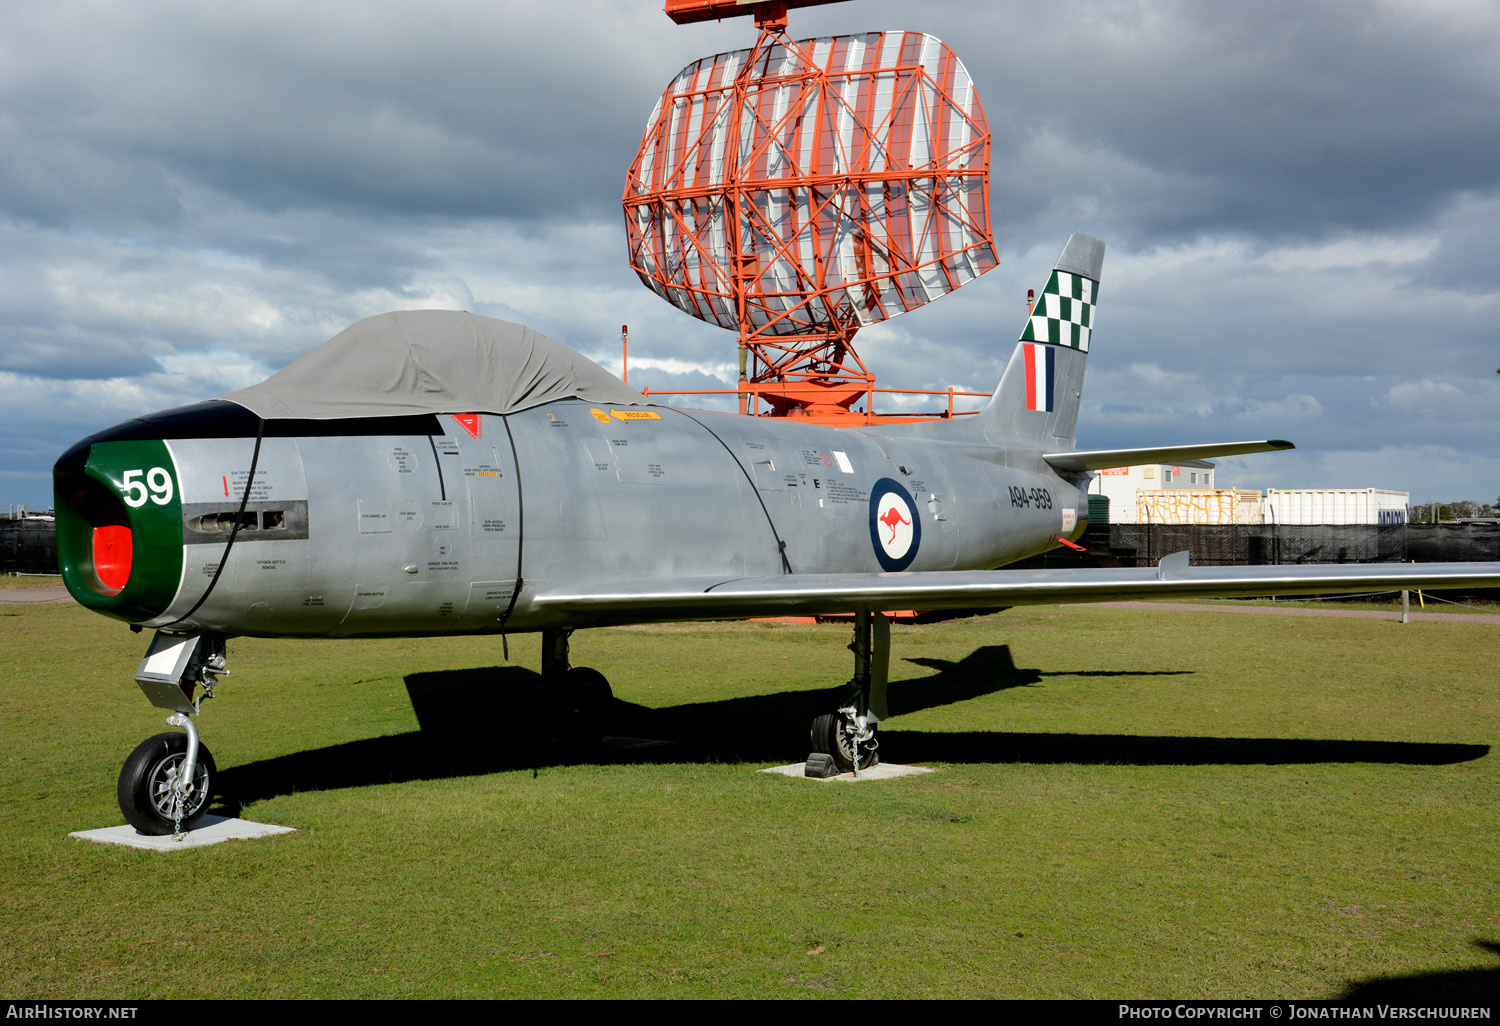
(1020, 498)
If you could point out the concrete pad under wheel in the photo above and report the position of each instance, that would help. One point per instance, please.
(210, 830)
(881, 771)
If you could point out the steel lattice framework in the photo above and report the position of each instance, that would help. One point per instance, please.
(799, 190)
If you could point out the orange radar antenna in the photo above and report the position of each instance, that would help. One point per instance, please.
(797, 191)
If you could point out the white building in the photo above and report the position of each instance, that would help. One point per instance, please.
(1184, 493)
(1155, 487)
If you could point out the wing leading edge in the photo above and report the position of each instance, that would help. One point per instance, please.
(823, 594)
(1104, 459)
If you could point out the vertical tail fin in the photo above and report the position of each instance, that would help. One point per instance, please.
(1038, 394)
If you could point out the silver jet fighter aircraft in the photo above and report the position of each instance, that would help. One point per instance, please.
(435, 472)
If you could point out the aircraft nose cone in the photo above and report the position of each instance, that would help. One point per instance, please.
(119, 526)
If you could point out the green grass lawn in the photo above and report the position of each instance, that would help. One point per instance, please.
(8, 581)
(1384, 602)
(1127, 804)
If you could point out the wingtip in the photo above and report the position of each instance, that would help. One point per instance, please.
(1279, 444)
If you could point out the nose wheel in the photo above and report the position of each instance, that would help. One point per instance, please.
(154, 796)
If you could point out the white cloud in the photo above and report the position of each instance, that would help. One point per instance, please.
(1421, 396)
(1290, 408)
(1351, 252)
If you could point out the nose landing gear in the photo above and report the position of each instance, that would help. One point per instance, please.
(166, 783)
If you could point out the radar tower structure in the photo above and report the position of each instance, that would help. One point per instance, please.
(797, 191)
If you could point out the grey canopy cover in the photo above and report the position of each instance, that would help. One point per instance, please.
(431, 361)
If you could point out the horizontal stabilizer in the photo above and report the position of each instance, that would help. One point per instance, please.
(822, 594)
(1104, 459)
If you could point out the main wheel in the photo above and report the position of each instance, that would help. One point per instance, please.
(587, 689)
(146, 780)
(833, 734)
(588, 696)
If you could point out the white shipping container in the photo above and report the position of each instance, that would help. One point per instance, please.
(1335, 506)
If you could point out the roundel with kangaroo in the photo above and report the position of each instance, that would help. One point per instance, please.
(895, 528)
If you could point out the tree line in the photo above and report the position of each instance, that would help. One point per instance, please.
(1437, 512)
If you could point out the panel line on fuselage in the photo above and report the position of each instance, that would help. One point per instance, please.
(234, 531)
(442, 485)
(515, 459)
(780, 543)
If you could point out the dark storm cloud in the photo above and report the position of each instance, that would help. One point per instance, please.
(448, 109)
(1171, 119)
(1272, 119)
(1467, 256)
(45, 352)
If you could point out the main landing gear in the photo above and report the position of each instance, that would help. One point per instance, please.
(847, 735)
(585, 693)
(166, 783)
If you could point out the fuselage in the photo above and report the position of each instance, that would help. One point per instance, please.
(443, 524)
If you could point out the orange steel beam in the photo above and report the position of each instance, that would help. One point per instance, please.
(686, 12)
(828, 412)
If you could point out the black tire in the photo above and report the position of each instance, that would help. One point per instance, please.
(832, 736)
(587, 697)
(588, 689)
(144, 788)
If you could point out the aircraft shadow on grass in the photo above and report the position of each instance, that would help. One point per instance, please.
(486, 720)
(1454, 987)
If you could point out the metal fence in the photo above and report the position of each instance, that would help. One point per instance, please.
(1271, 544)
(28, 546)
(1441, 543)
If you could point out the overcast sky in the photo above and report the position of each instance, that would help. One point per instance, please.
(1301, 202)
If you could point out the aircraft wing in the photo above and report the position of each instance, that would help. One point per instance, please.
(823, 594)
(1103, 459)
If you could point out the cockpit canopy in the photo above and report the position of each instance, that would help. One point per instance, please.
(431, 361)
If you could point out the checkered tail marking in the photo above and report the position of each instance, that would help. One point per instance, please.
(1064, 313)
